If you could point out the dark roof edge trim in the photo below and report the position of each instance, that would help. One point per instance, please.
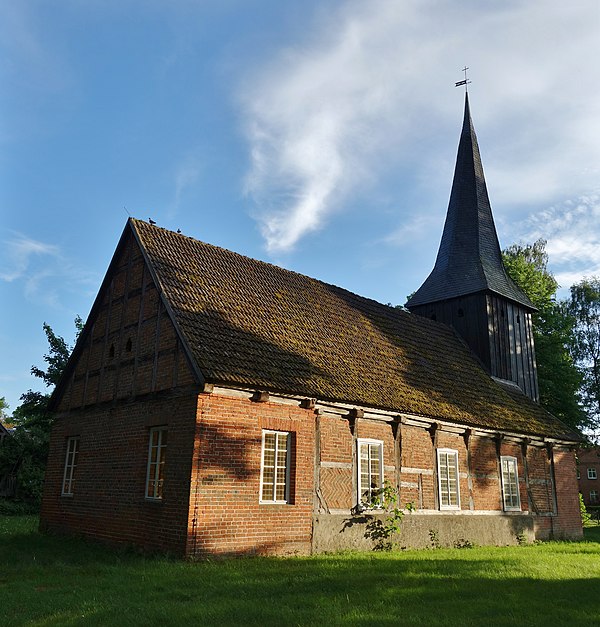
(200, 378)
(409, 303)
(75, 354)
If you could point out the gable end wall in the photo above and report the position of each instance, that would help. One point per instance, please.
(131, 374)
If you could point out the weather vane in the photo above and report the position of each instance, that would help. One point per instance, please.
(465, 82)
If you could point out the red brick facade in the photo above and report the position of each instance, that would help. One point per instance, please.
(552, 503)
(589, 475)
(225, 515)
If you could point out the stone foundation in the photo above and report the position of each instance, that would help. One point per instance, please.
(335, 532)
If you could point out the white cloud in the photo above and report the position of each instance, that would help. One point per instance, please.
(414, 228)
(572, 231)
(186, 175)
(42, 269)
(371, 89)
(19, 253)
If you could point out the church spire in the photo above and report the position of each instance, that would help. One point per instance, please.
(468, 287)
(469, 258)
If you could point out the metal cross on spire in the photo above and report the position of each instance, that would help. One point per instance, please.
(465, 82)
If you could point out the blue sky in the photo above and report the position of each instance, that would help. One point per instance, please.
(320, 136)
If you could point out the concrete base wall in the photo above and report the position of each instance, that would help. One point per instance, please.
(335, 532)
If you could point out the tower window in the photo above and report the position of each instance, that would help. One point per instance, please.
(128, 346)
(111, 351)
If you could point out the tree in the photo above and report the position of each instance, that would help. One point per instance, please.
(4, 417)
(26, 452)
(559, 377)
(584, 306)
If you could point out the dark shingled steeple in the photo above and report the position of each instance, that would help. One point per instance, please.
(469, 258)
(468, 287)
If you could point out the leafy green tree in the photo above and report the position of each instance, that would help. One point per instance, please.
(559, 377)
(584, 306)
(4, 417)
(25, 454)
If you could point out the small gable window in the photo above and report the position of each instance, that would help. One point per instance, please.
(70, 466)
(448, 480)
(592, 474)
(461, 313)
(275, 467)
(157, 448)
(370, 472)
(510, 483)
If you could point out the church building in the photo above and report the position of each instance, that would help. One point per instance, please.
(219, 405)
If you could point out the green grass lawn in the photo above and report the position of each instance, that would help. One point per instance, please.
(61, 581)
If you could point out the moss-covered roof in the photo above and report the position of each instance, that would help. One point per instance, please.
(252, 324)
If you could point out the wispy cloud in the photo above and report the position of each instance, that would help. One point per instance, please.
(331, 113)
(571, 229)
(414, 228)
(42, 269)
(19, 253)
(186, 175)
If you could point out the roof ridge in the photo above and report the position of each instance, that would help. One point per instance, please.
(392, 308)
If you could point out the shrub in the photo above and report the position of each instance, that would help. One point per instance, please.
(384, 531)
(585, 517)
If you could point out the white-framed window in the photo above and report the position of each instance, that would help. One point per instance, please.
(70, 466)
(448, 479)
(593, 496)
(370, 471)
(275, 466)
(592, 474)
(510, 483)
(157, 448)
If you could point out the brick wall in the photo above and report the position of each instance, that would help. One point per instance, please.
(480, 478)
(589, 458)
(417, 476)
(108, 501)
(568, 521)
(336, 464)
(226, 517)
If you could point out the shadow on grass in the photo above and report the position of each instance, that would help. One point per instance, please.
(59, 581)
